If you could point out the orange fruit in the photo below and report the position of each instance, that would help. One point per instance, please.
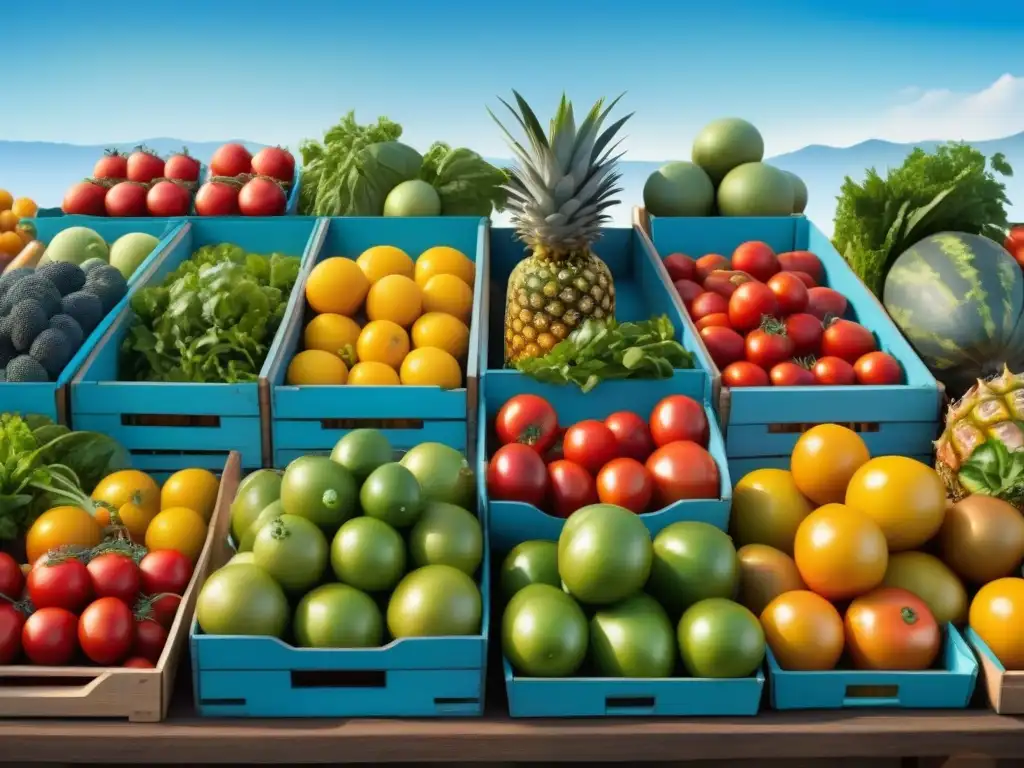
(373, 374)
(314, 367)
(396, 298)
(436, 329)
(840, 552)
(127, 486)
(383, 260)
(332, 333)
(61, 527)
(8, 220)
(997, 614)
(336, 285)
(448, 294)
(382, 341)
(431, 367)
(178, 528)
(823, 461)
(24, 208)
(804, 631)
(11, 243)
(6, 200)
(193, 488)
(905, 497)
(443, 260)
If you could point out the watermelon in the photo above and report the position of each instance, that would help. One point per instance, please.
(959, 300)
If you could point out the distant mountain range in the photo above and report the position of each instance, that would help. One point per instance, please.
(43, 170)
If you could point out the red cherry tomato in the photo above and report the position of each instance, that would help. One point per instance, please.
(56, 583)
(137, 663)
(726, 281)
(716, 320)
(682, 470)
(802, 261)
(590, 444)
(115, 575)
(834, 372)
(1014, 238)
(527, 419)
(106, 631)
(688, 291)
(744, 374)
(11, 622)
(847, 340)
(708, 304)
(632, 434)
(789, 374)
(806, 279)
(769, 345)
(625, 482)
(165, 571)
(517, 473)
(724, 345)
(790, 292)
(878, 368)
(757, 259)
(150, 637)
(678, 417)
(750, 303)
(48, 637)
(805, 331)
(164, 608)
(12, 580)
(822, 302)
(570, 487)
(680, 266)
(708, 263)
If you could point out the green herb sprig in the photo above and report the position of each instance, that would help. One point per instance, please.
(994, 470)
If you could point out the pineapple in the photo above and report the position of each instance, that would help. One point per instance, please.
(990, 409)
(558, 194)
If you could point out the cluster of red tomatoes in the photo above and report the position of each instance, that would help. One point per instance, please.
(106, 608)
(766, 320)
(642, 465)
(145, 184)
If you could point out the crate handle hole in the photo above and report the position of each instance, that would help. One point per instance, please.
(57, 681)
(371, 423)
(339, 678)
(871, 696)
(169, 420)
(861, 427)
(629, 702)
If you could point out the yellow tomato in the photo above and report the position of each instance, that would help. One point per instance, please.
(193, 488)
(383, 260)
(448, 294)
(332, 333)
(444, 260)
(8, 220)
(840, 552)
(61, 527)
(823, 461)
(804, 631)
(11, 243)
(314, 367)
(383, 341)
(905, 497)
(178, 528)
(120, 488)
(337, 285)
(997, 615)
(371, 374)
(431, 367)
(447, 332)
(767, 508)
(24, 208)
(396, 298)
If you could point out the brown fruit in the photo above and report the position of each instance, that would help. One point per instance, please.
(765, 573)
(982, 539)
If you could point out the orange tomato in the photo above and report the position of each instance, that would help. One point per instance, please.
(840, 552)
(997, 615)
(804, 631)
(124, 487)
(823, 461)
(892, 629)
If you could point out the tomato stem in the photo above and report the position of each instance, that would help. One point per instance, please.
(908, 614)
(829, 320)
(772, 325)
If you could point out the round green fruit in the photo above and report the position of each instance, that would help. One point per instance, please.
(799, 192)
(293, 550)
(320, 490)
(531, 562)
(544, 632)
(447, 535)
(272, 511)
(443, 474)
(726, 144)
(633, 638)
(692, 562)
(756, 189)
(368, 554)
(435, 601)
(254, 493)
(338, 616)
(604, 554)
(392, 493)
(361, 451)
(242, 599)
(720, 639)
(679, 189)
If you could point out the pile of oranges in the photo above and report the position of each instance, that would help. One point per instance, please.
(384, 319)
(13, 235)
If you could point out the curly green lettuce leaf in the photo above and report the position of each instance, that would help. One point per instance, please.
(467, 184)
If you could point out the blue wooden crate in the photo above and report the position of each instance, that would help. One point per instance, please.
(738, 468)
(948, 686)
(900, 420)
(311, 419)
(170, 426)
(511, 522)
(51, 398)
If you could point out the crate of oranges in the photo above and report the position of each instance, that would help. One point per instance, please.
(15, 233)
(387, 336)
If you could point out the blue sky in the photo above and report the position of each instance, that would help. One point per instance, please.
(804, 71)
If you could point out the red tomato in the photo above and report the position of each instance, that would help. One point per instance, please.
(165, 571)
(726, 281)
(1014, 238)
(590, 444)
(682, 470)
(750, 304)
(768, 345)
(878, 368)
(744, 374)
(632, 434)
(150, 637)
(678, 417)
(891, 629)
(59, 584)
(517, 473)
(231, 160)
(805, 331)
(833, 372)
(790, 374)
(113, 165)
(680, 266)
(165, 608)
(144, 165)
(715, 320)
(167, 199)
(755, 258)
(275, 162)
(790, 292)
(217, 198)
(12, 580)
(181, 167)
(115, 575)
(625, 482)
(1018, 256)
(806, 279)
(262, 196)
(824, 301)
(127, 198)
(724, 345)
(570, 487)
(847, 340)
(85, 199)
(708, 263)
(708, 304)
(48, 636)
(106, 631)
(11, 622)
(137, 663)
(802, 261)
(687, 290)
(527, 419)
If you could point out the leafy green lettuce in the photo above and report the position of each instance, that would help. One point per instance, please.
(467, 184)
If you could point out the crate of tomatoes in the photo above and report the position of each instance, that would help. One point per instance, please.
(796, 338)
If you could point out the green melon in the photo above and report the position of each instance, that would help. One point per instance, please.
(679, 189)
(725, 144)
(959, 300)
(756, 189)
